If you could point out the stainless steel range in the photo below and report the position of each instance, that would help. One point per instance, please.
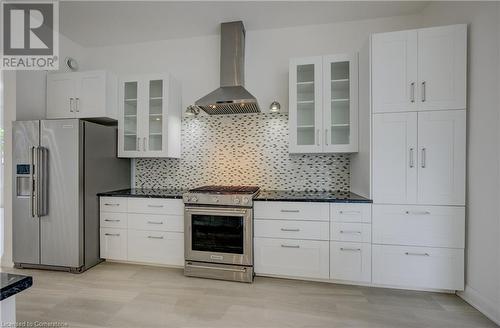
(219, 232)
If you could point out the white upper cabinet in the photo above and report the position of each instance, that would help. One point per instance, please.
(395, 158)
(149, 122)
(442, 64)
(90, 94)
(419, 158)
(323, 104)
(421, 69)
(394, 71)
(441, 144)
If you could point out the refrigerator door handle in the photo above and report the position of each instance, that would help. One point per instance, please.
(42, 181)
(32, 202)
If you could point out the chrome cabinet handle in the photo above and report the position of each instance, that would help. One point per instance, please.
(418, 213)
(290, 211)
(77, 104)
(424, 159)
(290, 246)
(423, 92)
(155, 206)
(137, 146)
(144, 143)
(326, 137)
(412, 93)
(349, 212)
(111, 204)
(416, 254)
(350, 231)
(412, 160)
(112, 234)
(344, 249)
(317, 137)
(71, 104)
(155, 222)
(155, 237)
(109, 220)
(290, 230)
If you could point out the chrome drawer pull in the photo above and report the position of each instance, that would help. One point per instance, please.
(418, 213)
(290, 246)
(155, 237)
(350, 249)
(155, 222)
(112, 234)
(215, 268)
(111, 204)
(109, 220)
(156, 206)
(291, 230)
(350, 231)
(350, 212)
(417, 254)
(290, 211)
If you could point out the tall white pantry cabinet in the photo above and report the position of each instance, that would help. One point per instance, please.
(413, 127)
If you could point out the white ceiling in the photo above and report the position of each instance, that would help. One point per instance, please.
(101, 23)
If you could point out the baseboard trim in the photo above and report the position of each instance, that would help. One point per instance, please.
(483, 305)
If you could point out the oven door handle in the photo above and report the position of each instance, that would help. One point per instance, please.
(215, 210)
(216, 268)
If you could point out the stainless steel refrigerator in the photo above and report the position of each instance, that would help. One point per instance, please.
(58, 168)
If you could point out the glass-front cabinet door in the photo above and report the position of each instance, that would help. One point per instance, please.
(340, 103)
(305, 112)
(156, 118)
(129, 134)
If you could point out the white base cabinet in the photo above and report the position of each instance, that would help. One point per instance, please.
(418, 267)
(142, 230)
(350, 261)
(291, 257)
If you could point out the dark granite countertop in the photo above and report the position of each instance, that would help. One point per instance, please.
(311, 196)
(11, 284)
(144, 193)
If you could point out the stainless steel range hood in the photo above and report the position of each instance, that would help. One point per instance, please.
(231, 97)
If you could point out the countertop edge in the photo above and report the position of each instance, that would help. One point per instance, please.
(16, 287)
(311, 200)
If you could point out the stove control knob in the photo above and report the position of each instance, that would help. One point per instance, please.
(194, 199)
(245, 200)
(236, 200)
(216, 200)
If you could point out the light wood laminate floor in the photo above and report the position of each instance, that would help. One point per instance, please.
(122, 295)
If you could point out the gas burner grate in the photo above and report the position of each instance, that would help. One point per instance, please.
(227, 189)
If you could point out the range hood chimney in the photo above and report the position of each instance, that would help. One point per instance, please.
(231, 97)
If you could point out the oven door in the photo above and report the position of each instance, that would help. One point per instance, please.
(219, 235)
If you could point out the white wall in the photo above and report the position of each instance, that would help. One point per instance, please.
(195, 61)
(483, 194)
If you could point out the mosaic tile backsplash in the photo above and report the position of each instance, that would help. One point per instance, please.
(250, 149)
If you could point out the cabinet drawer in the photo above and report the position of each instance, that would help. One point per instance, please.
(291, 211)
(292, 229)
(113, 220)
(418, 267)
(432, 226)
(289, 257)
(354, 232)
(113, 204)
(113, 243)
(156, 206)
(350, 261)
(156, 222)
(156, 247)
(351, 212)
